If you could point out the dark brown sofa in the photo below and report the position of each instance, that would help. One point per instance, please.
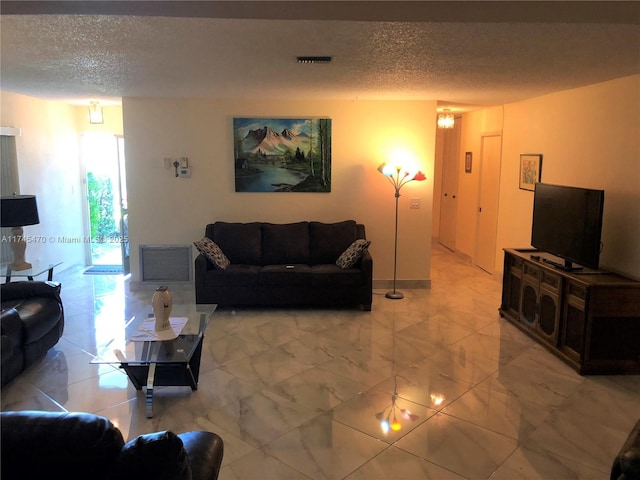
(285, 264)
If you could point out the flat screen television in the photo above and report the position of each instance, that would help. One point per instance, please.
(567, 222)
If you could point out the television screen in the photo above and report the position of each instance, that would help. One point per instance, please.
(567, 222)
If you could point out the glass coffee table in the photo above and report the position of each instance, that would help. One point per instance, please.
(150, 360)
(37, 269)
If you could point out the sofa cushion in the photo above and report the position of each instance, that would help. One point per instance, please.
(234, 275)
(328, 240)
(285, 244)
(213, 252)
(351, 255)
(285, 275)
(240, 242)
(154, 455)
(330, 275)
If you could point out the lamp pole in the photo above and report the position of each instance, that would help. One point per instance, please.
(395, 295)
(398, 177)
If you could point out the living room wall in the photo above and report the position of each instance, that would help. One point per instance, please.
(168, 210)
(589, 137)
(49, 167)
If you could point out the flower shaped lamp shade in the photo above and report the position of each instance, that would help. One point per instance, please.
(398, 176)
(17, 211)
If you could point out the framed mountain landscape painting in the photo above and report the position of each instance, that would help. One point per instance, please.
(282, 154)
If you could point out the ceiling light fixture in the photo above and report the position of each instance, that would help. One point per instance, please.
(95, 113)
(314, 59)
(445, 119)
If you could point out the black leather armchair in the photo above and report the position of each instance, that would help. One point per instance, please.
(37, 445)
(31, 322)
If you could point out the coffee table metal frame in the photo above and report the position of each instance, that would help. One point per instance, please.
(151, 364)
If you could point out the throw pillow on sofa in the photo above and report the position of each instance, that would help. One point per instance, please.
(351, 255)
(213, 252)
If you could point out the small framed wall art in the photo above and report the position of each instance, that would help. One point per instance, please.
(468, 158)
(530, 170)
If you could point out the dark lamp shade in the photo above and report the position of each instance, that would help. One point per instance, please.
(18, 211)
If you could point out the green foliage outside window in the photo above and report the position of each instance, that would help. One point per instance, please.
(100, 191)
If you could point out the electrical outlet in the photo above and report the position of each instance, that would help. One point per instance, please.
(184, 172)
(415, 203)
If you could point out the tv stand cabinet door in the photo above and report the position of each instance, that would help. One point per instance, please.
(575, 321)
(511, 287)
(549, 307)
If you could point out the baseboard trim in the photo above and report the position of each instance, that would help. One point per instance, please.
(402, 284)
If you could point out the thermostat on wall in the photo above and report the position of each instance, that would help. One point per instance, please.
(184, 172)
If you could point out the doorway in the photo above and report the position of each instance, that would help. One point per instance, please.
(487, 226)
(106, 203)
(450, 140)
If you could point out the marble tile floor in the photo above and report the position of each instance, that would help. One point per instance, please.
(434, 386)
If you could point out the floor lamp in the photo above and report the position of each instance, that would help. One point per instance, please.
(398, 177)
(17, 211)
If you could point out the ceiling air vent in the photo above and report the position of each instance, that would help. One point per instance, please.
(314, 59)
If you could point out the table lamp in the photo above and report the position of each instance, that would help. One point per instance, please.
(17, 211)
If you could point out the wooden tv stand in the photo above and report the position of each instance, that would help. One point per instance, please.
(590, 319)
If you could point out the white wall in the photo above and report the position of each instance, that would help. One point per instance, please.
(48, 153)
(589, 137)
(48, 167)
(168, 210)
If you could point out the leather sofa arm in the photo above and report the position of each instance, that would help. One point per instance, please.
(19, 290)
(205, 451)
(154, 455)
(626, 466)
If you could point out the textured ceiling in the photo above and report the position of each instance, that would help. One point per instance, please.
(70, 56)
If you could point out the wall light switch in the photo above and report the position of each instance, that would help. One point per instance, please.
(184, 162)
(415, 203)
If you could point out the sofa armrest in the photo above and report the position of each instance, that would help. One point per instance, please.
(154, 455)
(366, 262)
(205, 451)
(19, 290)
(626, 465)
(202, 264)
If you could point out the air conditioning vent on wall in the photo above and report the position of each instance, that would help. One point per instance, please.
(165, 264)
